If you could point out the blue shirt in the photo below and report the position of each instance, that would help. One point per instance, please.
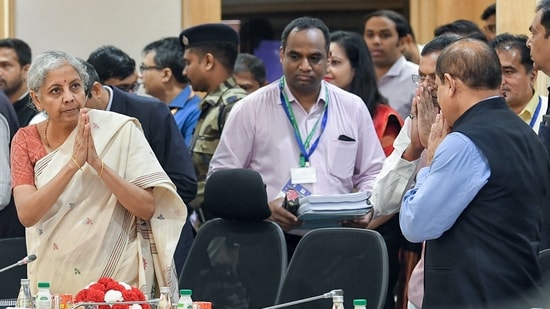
(187, 113)
(444, 189)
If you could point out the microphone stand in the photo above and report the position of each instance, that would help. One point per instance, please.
(24, 261)
(8, 267)
(330, 294)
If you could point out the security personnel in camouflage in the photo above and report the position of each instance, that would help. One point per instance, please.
(210, 54)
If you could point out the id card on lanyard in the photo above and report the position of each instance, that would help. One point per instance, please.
(305, 173)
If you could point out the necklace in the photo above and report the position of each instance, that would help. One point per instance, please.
(46, 134)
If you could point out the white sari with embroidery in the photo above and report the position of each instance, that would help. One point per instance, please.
(87, 234)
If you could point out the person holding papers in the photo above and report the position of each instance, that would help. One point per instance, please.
(301, 132)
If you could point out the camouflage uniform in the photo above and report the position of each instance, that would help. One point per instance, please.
(214, 110)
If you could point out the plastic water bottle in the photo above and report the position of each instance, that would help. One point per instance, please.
(185, 301)
(24, 299)
(359, 304)
(43, 297)
(165, 302)
(337, 302)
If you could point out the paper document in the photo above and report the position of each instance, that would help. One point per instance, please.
(317, 211)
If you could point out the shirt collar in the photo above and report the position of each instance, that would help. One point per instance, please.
(320, 98)
(529, 110)
(182, 98)
(108, 108)
(396, 68)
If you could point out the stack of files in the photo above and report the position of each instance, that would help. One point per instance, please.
(319, 211)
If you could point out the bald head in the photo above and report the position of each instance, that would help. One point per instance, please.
(472, 61)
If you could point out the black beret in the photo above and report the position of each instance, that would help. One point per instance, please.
(209, 34)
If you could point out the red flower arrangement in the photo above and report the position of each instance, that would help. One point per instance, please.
(111, 291)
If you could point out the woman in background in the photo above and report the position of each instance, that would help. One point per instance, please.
(89, 190)
(351, 68)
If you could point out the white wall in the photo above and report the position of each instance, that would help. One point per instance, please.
(80, 26)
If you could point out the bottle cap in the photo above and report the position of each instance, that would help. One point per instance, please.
(359, 302)
(165, 290)
(338, 298)
(25, 280)
(44, 285)
(186, 292)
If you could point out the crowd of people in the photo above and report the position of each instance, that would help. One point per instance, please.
(444, 136)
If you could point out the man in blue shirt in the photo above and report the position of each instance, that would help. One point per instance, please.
(479, 202)
(161, 74)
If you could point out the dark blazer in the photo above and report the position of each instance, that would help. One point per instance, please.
(488, 258)
(165, 139)
(24, 110)
(7, 110)
(9, 223)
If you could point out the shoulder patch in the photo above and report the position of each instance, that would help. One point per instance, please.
(232, 99)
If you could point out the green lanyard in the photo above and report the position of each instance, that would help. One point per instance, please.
(305, 150)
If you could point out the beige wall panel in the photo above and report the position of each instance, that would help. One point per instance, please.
(196, 12)
(515, 17)
(79, 27)
(7, 18)
(426, 15)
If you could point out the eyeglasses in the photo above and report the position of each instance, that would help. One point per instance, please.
(132, 88)
(419, 79)
(143, 68)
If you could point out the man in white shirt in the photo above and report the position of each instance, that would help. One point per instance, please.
(385, 33)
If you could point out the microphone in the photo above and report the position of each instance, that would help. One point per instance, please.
(24, 261)
(330, 294)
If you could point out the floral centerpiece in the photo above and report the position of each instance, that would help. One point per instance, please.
(108, 290)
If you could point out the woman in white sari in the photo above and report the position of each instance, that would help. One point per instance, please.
(93, 197)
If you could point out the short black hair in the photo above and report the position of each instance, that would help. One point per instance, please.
(544, 5)
(92, 74)
(507, 41)
(439, 43)
(250, 63)
(489, 11)
(401, 24)
(111, 62)
(168, 54)
(226, 54)
(303, 23)
(21, 48)
(462, 27)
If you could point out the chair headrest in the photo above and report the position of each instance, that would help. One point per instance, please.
(236, 194)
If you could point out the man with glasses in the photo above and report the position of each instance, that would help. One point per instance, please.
(115, 68)
(15, 60)
(479, 202)
(161, 73)
(400, 168)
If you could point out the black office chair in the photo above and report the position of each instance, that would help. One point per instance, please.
(544, 262)
(237, 260)
(11, 251)
(354, 260)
